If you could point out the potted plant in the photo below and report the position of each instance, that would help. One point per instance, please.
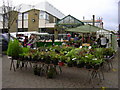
(69, 62)
(47, 58)
(62, 60)
(108, 52)
(98, 52)
(97, 63)
(74, 61)
(14, 49)
(42, 56)
(39, 71)
(80, 62)
(88, 57)
(35, 70)
(51, 72)
(54, 57)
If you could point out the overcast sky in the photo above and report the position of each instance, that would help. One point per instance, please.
(107, 9)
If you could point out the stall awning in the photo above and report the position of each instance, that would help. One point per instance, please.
(84, 29)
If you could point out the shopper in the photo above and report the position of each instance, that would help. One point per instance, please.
(76, 38)
(98, 41)
(25, 41)
(103, 42)
(69, 36)
(32, 41)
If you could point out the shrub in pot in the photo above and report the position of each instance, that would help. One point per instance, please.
(42, 56)
(98, 52)
(96, 63)
(14, 49)
(74, 61)
(47, 60)
(69, 62)
(35, 56)
(88, 65)
(62, 60)
(51, 72)
(88, 58)
(108, 52)
(56, 59)
(35, 70)
(80, 63)
(47, 57)
(39, 71)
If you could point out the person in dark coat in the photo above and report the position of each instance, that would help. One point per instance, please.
(25, 41)
(76, 38)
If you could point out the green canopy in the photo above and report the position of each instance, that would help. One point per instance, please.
(84, 29)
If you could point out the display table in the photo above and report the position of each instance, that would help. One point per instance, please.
(46, 44)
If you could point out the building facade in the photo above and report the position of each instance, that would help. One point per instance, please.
(40, 17)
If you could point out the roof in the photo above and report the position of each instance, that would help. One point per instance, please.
(69, 20)
(44, 6)
(84, 29)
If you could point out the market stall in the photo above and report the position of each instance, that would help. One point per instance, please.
(49, 60)
(93, 31)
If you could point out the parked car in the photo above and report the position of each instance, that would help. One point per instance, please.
(4, 41)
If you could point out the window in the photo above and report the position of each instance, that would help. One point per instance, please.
(25, 16)
(42, 15)
(53, 19)
(1, 18)
(67, 20)
(20, 16)
(47, 16)
(72, 20)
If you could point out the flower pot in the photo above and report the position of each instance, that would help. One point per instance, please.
(75, 63)
(55, 62)
(47, 61)
(30, 58)
(96, 67)
(80, 65)
(17, 65)
(15, 57)
(22, 64)
(26, 58)
(50, 73)
(88, 66)
(69, 64)
(39, 72)
(35, 72)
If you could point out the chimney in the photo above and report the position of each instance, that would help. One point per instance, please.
(93, 20)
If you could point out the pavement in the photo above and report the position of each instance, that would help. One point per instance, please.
(71, 77)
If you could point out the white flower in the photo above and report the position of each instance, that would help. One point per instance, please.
(80, 46)
(94, 59)
(89, 47)
(73, 58)
(86, 56)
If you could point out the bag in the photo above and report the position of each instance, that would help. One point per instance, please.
(29, 45)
